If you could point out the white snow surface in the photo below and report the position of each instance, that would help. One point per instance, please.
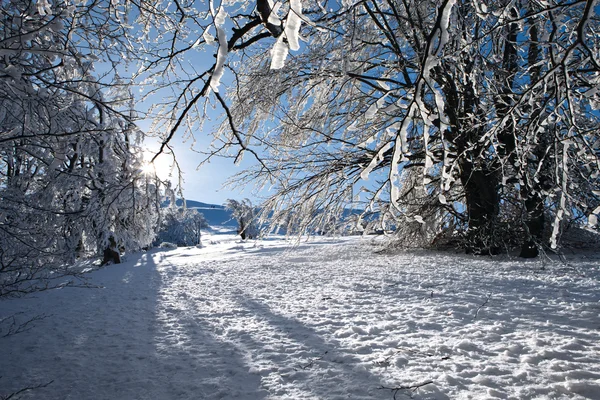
(321, 319)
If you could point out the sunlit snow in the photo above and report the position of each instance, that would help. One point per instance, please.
(321, 319)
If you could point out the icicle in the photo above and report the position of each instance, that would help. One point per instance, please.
(593, 217)
(273, 18)
(44, 8)
(364, 175)
(208, 38)
(279, 53)
(364, 144)
(292, 25)
(222, 53)
(426, 128)
(395, 176)
(445, 23)
(372, 110)
(375, 107)
(353, 127)
(431, 62)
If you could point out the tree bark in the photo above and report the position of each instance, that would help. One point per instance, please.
(530, 191)
(482, 199)
(242, 231)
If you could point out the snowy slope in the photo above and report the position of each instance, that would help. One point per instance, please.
(193, 204)
(217, 217)
(327, 319)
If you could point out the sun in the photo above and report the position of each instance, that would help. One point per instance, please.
(161, 166)
(148, 168)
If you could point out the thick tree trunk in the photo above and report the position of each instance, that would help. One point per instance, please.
(111, 255)
(535, 221)
(482, 198)
(478, 177)
(530, 192)
(242, 230)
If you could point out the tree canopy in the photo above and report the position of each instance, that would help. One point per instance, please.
(438, 117)
(444, 115)
(70, 156)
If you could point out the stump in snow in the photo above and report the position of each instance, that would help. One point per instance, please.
(111, 255)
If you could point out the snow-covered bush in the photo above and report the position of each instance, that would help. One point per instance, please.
(181, 226)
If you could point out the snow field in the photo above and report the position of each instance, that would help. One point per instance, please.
(325, 319)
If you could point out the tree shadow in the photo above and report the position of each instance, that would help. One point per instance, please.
(302, 361)
(123, 341)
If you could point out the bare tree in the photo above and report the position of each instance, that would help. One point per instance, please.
(244, 213)
(71, 176)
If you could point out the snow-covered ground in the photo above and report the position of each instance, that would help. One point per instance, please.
(323, 319)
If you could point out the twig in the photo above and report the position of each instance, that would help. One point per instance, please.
(15, 327)
(13, 395)
(489, 296)
(395, 390)
(312, 362)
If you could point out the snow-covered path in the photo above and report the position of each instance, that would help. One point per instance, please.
(324, 320)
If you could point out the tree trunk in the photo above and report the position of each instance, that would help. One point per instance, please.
(111, 255)
(530, 191)
(242, 230)
(534, 205)
(482, 198)
(478, 178)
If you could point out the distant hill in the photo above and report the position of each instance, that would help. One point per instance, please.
(198, 204)
(218, 216)
(215, 214)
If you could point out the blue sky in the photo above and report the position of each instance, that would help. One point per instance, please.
(203, 183)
